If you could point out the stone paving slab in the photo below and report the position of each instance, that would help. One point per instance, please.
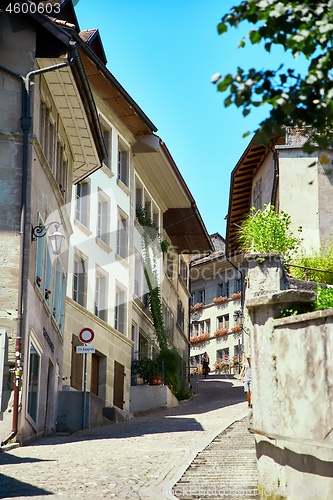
(142, 458)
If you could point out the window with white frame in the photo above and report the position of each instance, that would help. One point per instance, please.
(180, 315)
(61, 170)
(33, 383)
(122, 235)
(103, 217)
(223, 322)
(220, 290)
(201, 296)
(101, 296)
(123, 163)
(80, 280)
(107, 136)
(59, 295)
(169, 321)
(183, 270)
(82, 202)
(170, 265)
(120, 311)
(257, 195)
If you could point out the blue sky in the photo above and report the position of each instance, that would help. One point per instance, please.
(164, 54)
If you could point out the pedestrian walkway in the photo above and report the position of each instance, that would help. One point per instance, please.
(226, 469)
(140, 459)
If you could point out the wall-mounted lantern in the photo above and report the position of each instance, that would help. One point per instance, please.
(56, 238)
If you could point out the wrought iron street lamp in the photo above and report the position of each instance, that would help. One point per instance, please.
(56, 238)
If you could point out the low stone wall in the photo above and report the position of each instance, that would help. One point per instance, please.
(149, 397)
(292, 370)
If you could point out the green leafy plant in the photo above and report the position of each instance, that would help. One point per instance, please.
(150, 249)
(324, 298)
(267, 231)
(293, 99)
(315, 267)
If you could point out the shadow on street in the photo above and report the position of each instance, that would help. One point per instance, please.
(217, 391)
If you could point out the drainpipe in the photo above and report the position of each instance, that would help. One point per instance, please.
(25, 121)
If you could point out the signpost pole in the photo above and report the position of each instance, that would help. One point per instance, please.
(84, 423)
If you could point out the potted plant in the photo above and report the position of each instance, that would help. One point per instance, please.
(143, 367)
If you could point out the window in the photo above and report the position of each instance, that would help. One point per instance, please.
(201, 296)
(101, 299)
(59, 296)
(103, 218)
(169, 264)
(140, 284)
(123, 164)
(169, 321)
(61, 169)
(122, 236)
(183, 270)
(192, 300)
(80, 281)
(223, 322)
(33, 383)
(257, 195)
(220, 290)
(238, 285)
(227, 289)
(107, 136)
(82, 203)
(120, 311)
(180, 315)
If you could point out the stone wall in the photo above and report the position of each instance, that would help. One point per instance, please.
(292, 387)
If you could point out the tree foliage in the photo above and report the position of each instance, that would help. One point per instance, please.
(295, 100)
(316, 266)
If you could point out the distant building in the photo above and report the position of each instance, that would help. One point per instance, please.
(217, 312)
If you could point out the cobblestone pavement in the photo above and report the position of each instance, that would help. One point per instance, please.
(142, 458)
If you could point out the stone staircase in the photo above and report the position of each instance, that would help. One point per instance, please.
(226, 469)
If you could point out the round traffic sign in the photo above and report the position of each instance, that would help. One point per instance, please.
(86, 335)
(226, 358)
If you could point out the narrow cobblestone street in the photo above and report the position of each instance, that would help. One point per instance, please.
(148, 457)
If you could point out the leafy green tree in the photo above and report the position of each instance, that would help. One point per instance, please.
(267, 231)
(295, 100)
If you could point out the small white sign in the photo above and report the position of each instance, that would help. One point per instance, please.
(83, 349)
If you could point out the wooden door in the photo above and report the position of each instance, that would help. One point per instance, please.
(118, 385)
(76, 365)
(94, 381)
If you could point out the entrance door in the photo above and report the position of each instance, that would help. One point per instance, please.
(94, 374)
(118, 385)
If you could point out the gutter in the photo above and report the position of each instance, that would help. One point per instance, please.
(25, 121)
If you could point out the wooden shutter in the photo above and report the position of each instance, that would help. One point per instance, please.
(118, 385)
(76, 365)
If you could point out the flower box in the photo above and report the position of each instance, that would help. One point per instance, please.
(197, 307)
(236, 295)
(220, 333)
(236, 329)
(220, 300)
(199, 338)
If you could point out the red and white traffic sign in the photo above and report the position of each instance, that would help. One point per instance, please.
(226, 358)
(86, 335)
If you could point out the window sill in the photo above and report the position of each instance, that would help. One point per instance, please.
(123, 187)
(106, 170)
(82, 227)
(122, 260)
(103, 245)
